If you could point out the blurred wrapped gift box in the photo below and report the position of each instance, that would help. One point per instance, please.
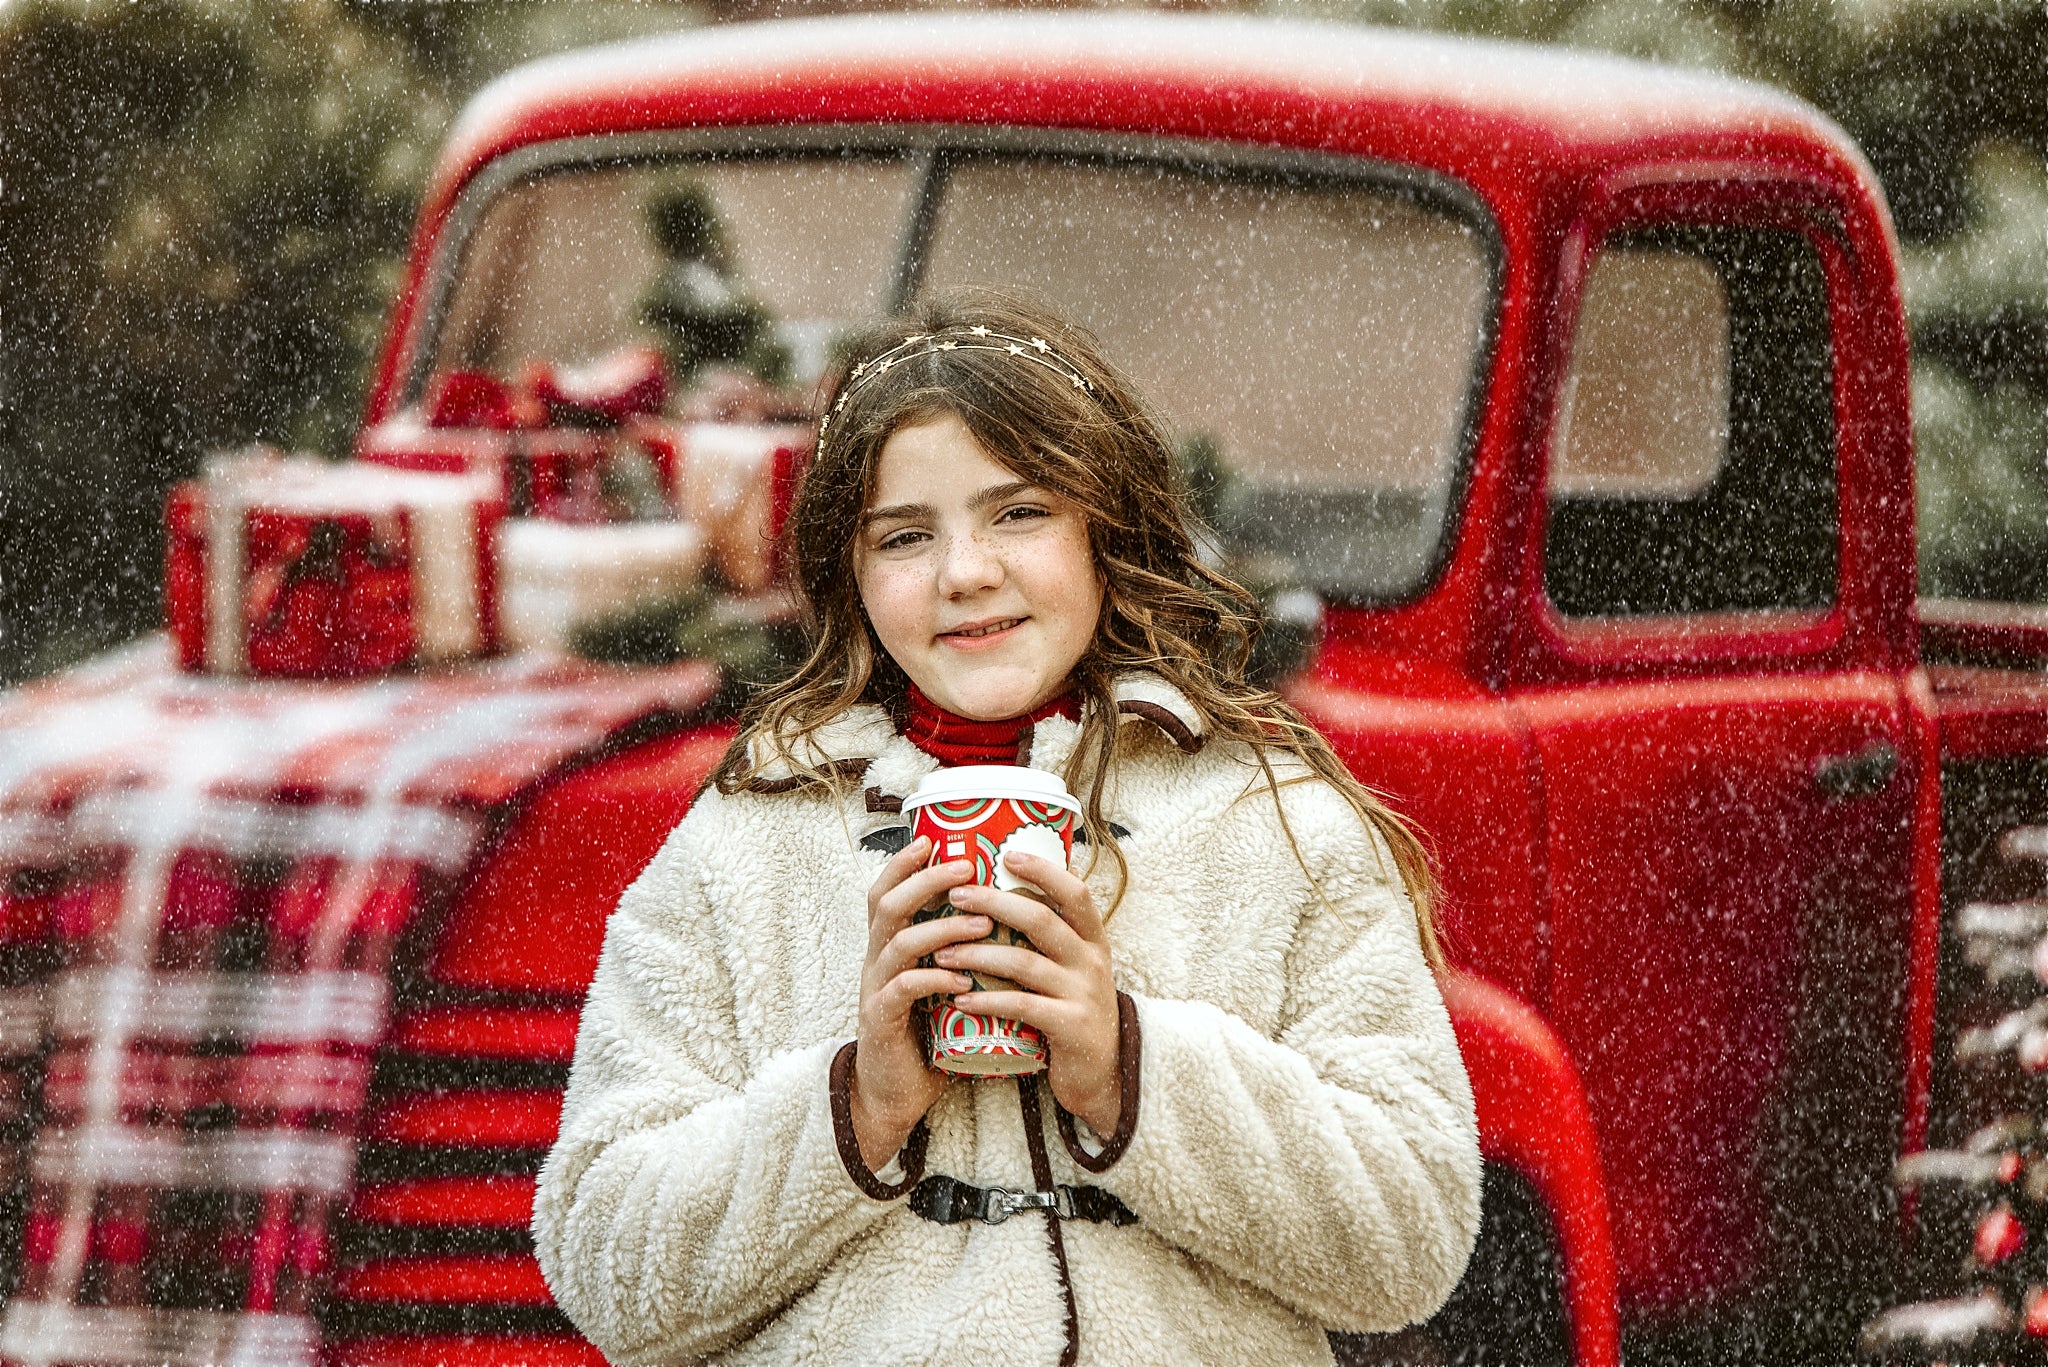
(733, 481)
(310, 569)
(591, 503)
(553, 437)
(555, 575)
(566, 474)
(736, 481)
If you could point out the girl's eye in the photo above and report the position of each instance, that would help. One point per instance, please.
(896, 541)
(1019, 512)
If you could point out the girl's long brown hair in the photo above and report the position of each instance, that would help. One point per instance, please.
(1101, 450)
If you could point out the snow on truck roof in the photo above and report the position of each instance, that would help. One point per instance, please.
(1055, 67)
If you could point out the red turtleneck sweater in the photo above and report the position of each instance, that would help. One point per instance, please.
(952, 739)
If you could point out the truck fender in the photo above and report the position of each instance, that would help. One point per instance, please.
(1533, 1117)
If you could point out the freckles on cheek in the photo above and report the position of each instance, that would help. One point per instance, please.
(894, 604)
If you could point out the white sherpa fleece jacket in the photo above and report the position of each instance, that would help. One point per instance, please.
(1304, 1156)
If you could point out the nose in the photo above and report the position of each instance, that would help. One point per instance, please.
(968, 565)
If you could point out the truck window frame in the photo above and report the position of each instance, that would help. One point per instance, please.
(1708, 196)
(931, 151)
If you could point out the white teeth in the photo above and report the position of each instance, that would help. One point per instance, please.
(988, 630)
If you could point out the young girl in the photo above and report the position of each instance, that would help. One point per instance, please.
(1259, 1124)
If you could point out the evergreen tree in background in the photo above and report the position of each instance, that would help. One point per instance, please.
(204, 208)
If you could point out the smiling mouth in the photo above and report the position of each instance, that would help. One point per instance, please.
(986, 629)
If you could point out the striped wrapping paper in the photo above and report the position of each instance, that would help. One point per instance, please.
(203, 885)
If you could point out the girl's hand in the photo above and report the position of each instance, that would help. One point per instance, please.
(893, 1085)
(1069, 993)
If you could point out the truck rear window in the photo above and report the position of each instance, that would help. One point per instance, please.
(1693, 465)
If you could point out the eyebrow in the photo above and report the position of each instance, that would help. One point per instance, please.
(911, 512)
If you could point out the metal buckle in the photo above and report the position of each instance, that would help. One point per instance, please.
(1000, 1203)
(948, 1201)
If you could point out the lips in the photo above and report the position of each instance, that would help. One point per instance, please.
(979, 630)
(986, 628)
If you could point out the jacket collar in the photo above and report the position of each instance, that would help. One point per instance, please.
(864, 743)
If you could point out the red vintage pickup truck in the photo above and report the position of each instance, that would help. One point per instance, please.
(1565, 397)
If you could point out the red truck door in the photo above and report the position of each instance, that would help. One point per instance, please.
(1726, 778)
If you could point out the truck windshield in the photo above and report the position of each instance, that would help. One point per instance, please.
(755, 264)
(1312, 344)
(1311, 341)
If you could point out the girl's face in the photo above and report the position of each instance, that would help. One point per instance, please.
(979, 585)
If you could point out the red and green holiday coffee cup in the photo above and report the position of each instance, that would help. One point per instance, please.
(982, 812)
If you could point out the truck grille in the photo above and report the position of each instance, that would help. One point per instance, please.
(432, 1259)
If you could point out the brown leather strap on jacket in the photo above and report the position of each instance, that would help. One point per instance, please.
(840, 1083)
(851, 769)
(1128, 1052)
(1041, 1174)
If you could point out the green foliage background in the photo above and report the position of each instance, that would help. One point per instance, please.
(204, 204)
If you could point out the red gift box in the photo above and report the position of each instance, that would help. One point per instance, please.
(185, 572)
(308, 569)
(557, 441)
(564, 474)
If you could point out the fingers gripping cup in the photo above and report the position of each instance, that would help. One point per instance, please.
(983, 812)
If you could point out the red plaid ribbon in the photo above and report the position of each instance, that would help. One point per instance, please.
(202, 882)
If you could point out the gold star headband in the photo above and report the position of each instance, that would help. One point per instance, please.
(1034, 349)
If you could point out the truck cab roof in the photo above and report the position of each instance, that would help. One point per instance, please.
(1334, 86)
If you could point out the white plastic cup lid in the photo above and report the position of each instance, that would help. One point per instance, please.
(993, 780)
